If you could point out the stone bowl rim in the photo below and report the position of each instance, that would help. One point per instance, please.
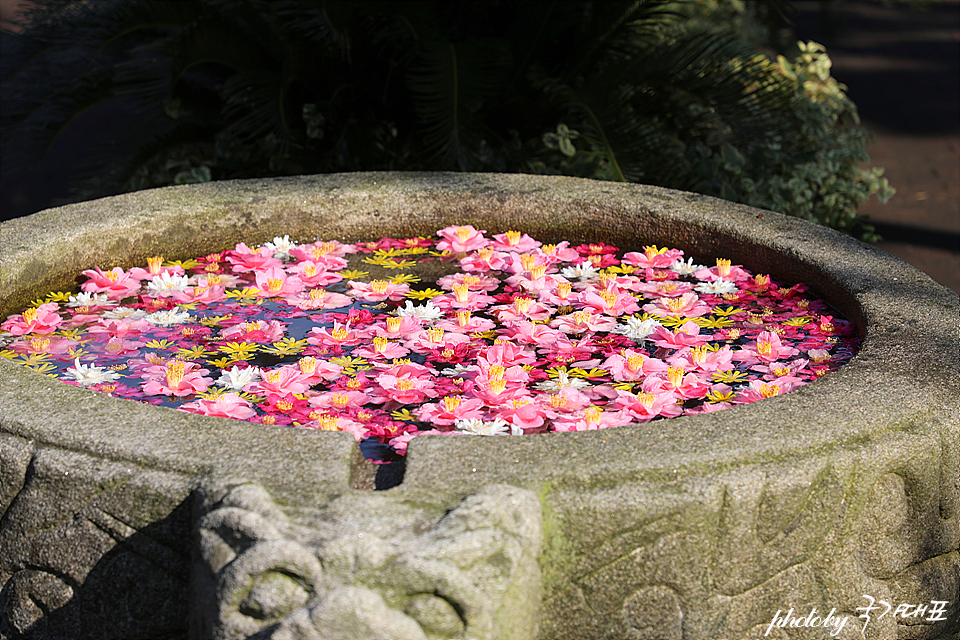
(841, 410)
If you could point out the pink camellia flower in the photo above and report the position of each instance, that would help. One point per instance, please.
(723, 271)
(463, 298)
(279, 382)
(408, 383)
(315, 274)
(42, 343)
(40, 320)
(124, 328)
(118, 347)
(426, 340)
(508, 354)
(398, 326)
(758, 390)
(275, 282)
(473, 282)
(677, 381)
(319, 299)
(467, 323)
(560, 252)
(382, 348)
(766, 349)
(258, 331)
(686, 335)
(227, 405)
(116, 283)
(315, 371)
(330, 253)
(558, 296)
(700, 358)
(461, 239)
(652, 257)
(524, 413)
(592, 418)
(244, 259)
(342, 335)
(648, 405)
(484, 260)
(630, 365)
(583, 321)
(514, 241)
(451, 409)
(155, 269)
(687, 305)
(529, 333)
(609, 301)
(378, 291)
(205, 291)
(340, 400)
(175, 378)
(522, 309)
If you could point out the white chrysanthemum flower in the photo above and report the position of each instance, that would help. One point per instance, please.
(637, 329)
(168, 317)
(281, 247)
(495, 427)
(87, 299)
(562, 381)
(168, 281)
(237, 378)
(123, 313)
(457, 370)
(685, 268)
(585, 271)
(87, 374)
(717, 287)
(426, 313)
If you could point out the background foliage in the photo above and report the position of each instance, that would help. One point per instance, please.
(704, 95)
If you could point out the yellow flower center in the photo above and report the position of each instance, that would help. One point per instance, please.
(635, 362)
(406, 384)
(328, 423)
(393, 324)
(666, 287)
(435, 335)
(563, 290)
(310, 270)
(761, 280)
(175, 371)
(592, 414)
(675, 375)
(538, 271)
(674, 304)
(497, 386)
(463, 233)
(463, 318)
(513, 237)
(354, 384)
(582, 317)
(520, 305)
(379, 342)
(340, 333)
(340, 400)
(450, 403)
(112, 275)
(558, 401)
(781, 371)
(764, 348)
(461, 292)
(527, 261)
(699, 354)
(153, 264)
(272, 377)
(39, 344)
(274, 285)
(495, 372)
(769, 390)
(285, 405)
(30, 315)
(646, 399)
(308, 365)
(723, 267)
(379, 286)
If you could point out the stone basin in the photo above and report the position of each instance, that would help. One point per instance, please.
(124, 520)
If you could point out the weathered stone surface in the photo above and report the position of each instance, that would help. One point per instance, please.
(848, 486)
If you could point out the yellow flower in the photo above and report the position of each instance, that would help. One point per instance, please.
(223, 363)
(33, 359)
(729, 311)
(402, 414)
(195, 352)
(286, 347)
(160, 344)
(186, 264)
(423, 295)
(354, 274)
(243, 350)
(243, 295)
(58, 296)
(405, 278)
(728, 377)
(211, 321)
(799, 321)
(714, 323)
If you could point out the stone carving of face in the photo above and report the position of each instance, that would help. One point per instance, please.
(368, 566)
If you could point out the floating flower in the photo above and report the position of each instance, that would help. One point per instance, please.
(175, 378)
(227, 405)
(41, 320)
(86, 375)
